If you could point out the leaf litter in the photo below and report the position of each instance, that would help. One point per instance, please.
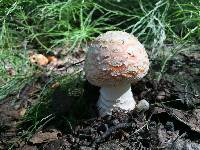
(171, 122)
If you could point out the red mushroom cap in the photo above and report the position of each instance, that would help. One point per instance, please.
(115, 57)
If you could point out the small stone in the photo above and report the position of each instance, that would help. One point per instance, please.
(142, 106)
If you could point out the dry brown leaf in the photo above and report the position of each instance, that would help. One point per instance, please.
(161, 95)
(22, 112)
(9, 69)
(11, 72)
(55, 85)
(43, 137)
(190, 119)
(28, 147)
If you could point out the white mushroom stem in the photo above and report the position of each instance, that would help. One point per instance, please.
(115, 97)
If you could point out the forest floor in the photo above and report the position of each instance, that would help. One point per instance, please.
(45, 100)
(172, 122)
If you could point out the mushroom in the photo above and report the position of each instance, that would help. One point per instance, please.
(39, 59)
(113, 61)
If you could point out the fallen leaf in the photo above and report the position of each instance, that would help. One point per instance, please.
(191, 119)
(55, 85)
(10, 70)
(43, 137)
(183, 144)
(22, 112)
(29, 147)
(162, 95)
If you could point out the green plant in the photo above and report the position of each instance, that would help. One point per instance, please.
(57, 23)
(188, 20)
(42, 112)
(47, 24)
(15, 72)
(152, 25)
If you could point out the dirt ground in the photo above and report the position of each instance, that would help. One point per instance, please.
(172, 122)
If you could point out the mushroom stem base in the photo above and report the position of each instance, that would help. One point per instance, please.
(115, 98)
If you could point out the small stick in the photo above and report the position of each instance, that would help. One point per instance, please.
(111, 130)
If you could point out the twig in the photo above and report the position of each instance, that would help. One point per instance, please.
(74, 64)
(111, 130)
(138, 130)
(64, 68)
(194, 95)
(178, 137)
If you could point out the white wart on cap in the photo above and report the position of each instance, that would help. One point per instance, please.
(114, 60)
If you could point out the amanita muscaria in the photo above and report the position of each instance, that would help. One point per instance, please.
(114, 60)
